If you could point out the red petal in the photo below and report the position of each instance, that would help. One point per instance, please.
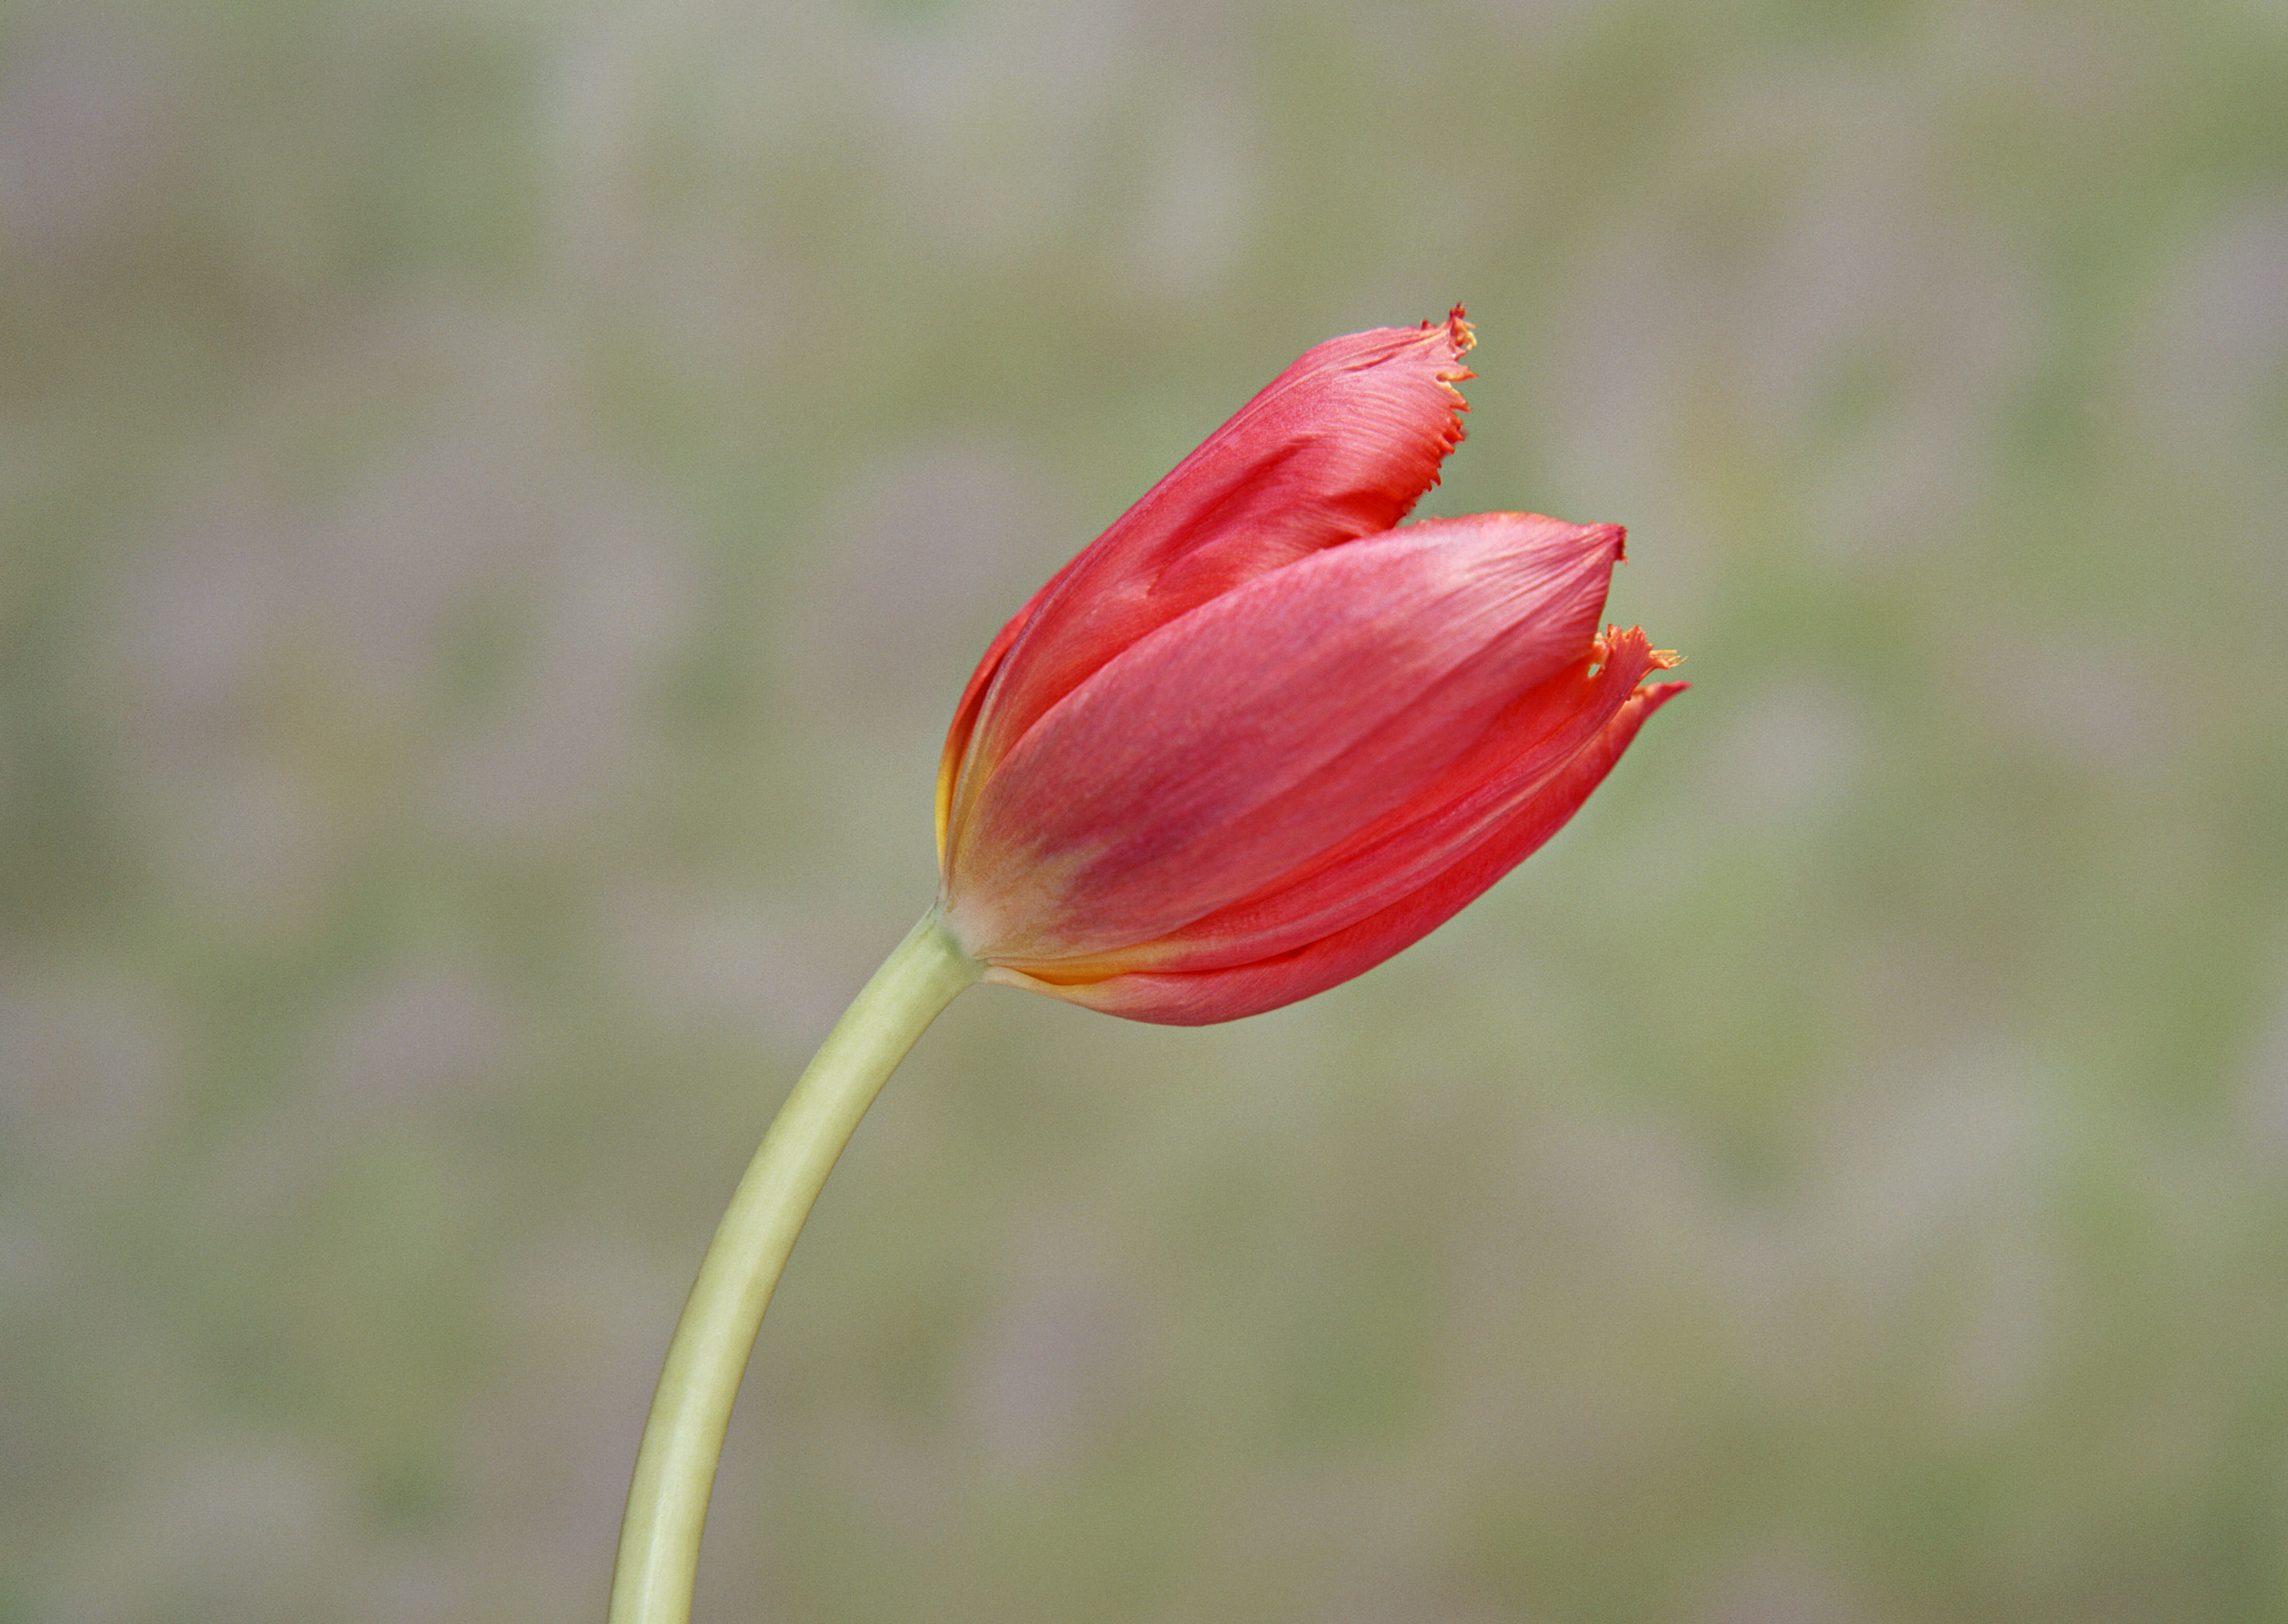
(1232, 746)
(1200, 997)
(1533, 742)
(1341, 445)
(965, 719)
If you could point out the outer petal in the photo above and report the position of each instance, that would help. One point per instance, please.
(1199, 998)
(1533, 742)
(1233, 746)
(965, 717)
(1341, 445)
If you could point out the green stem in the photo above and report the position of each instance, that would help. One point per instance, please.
(675, 1465)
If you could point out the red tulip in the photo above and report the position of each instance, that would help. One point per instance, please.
(1254, 739)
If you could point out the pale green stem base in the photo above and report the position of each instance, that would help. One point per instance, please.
(675, 1466)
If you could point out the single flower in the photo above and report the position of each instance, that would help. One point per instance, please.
(1256, 739)
(1251, 742)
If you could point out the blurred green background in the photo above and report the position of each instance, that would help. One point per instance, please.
(499, 500)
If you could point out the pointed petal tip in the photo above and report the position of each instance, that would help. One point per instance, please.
(1461, 338)
(1616, 643)
(1459, 333)
(1607, 541)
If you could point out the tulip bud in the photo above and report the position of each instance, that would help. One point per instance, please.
(1256, 739)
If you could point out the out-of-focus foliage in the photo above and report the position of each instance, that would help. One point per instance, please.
(499, 501)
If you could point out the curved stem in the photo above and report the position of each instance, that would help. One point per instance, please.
(675, 1465)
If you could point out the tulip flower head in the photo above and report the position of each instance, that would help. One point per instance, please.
(1258, 736)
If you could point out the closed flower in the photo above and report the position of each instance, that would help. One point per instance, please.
(1258, 738)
